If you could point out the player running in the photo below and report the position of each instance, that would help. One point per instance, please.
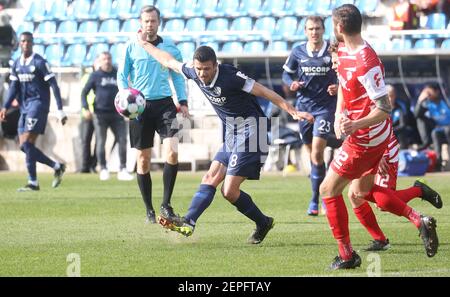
(308, 72)
(232, 95)
(362, 114)
(31, 79)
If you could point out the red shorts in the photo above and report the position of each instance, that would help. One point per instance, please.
(389, 180)
(354, 161)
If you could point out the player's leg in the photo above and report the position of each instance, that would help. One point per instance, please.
(357, 191)
(119, 129)
(331, 191)
(318, 169)
(101, 128)
(26, 141)
(245, 205)
(142, 132)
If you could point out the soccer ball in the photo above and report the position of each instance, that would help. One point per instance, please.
(129, 103)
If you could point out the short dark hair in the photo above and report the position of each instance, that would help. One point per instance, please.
(315, 19)
(205, 53)
(27, 33)
(148, 9)
(433, 86)
(349, 16)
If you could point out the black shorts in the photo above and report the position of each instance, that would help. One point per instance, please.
(160, 116)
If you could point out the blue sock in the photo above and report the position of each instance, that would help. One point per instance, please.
(30, 160)
(38, 155)
(201, 200)
(317, 176)
(248, 208)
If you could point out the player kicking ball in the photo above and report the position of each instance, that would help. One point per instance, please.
(233, 96)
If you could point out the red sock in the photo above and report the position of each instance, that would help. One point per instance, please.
(409, 194)
(338, 220)
(413, 216)
(365, 215)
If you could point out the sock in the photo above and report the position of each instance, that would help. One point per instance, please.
(57, 166)
(365, 215)
(337, 216)
(169, 177)
(201, 200)
(145, 185)
(247, 207)
(30, 160)
(37, 154)
(409, 194)
(317, 175)
(387, 199)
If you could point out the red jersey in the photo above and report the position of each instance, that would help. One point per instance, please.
(361, 77)
(389, 180)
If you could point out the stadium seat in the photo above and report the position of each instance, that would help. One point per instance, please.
(367, 6)
(401, 44)
(207, 8)
(137, 5)
(265, 24)
(58, 11)
(101, 9)
(274, 8)
(338, 3)
(280, 45)
(36, 11)
(212, 44)
(300, 7)
(299, 33)
(196, 24)
(81, 10)
(87, 27)
(25, 27)
(39, 49)
(130, 25)
(232, 47)
(47, 27)
(228, 8)
(117, 52)
(187, 9)
(93, 52)
(167, 9)
(322, 7)
(285, 27)
(174, 25)
(110, 26)
(75, 55)
(68, 27)
(445, 44)
(187, 50)
(254, 47)
(436, 21)
(427, 43)
(240, 24)
(216, 24)
(54, 54)
(251, 8)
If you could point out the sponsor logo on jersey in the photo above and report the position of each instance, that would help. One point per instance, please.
(315, 71)
(220, 101)
(106, 81)
(26, 77)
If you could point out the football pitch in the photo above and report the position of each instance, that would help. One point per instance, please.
(101, 225)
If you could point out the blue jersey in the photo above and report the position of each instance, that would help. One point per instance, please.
(148, 75)
(439, 112)
(31, 79)
(229, 94)
(315, 69)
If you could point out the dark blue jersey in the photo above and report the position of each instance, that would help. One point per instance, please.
(31, 79)
(315, 69)
(229, 94)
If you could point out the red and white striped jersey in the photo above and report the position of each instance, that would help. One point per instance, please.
(392, 151)
(361, 76)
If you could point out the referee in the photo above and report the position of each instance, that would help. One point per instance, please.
(145, 74)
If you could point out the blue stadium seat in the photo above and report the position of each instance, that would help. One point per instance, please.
(232, 47)
(167, 9)
(58, 11)
(436, 21)
(39, 49)
(427, 43)
(338, 3)
(101, 9)
(254, 47)
(228, 8)
(25, 27)
(285, 27)
(81, 10)
(187, 50)
(300, 7)
(54, 54)
(241, 24)
(15, 55)
(279, 45)
(68, 27)
(216, 24)
(36, 11)
(445, 44)
(130, 25)
(93, 52)
(75, 55)
(322, 7)
(137, 5)
(187, 8)
(299, 33)
(121, 9)
(297, 43)
(117, 52)
(87, 27)
(251, 7)
(265, 24)
(328, 22)
(176, 26)
(212, 44)
(401, 44)
(274, 8)
(207, 8)
(47, 27)
(196, 24)
(110, 26)
(367, 6)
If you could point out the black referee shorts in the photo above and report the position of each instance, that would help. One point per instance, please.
(160, 116)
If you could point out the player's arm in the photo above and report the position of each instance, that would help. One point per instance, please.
(14, 88)
(339, 114)
(163, 57)
(261, 91)
(180, 86)
(84, 93)
(123, 71)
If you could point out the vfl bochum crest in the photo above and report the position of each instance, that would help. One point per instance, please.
(217, 91)
(327, 60)
(31, 123)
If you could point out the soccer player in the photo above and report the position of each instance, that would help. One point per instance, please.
(152, 80)
(385, 177)
(362, 114)
(308, 72)
(232, 95)
(31, 79)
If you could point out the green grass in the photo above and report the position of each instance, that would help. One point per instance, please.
(104, 223)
